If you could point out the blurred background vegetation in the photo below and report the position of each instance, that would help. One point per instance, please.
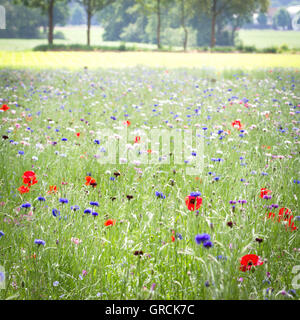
(169, 24)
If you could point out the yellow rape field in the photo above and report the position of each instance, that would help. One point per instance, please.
(78, 60)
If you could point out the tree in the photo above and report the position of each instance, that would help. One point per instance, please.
(154, 7)
(91, 7)
(262, 19)
(186, 12)
(47, 6)
(21, 22)
(77, 16)
(282, 19)
(216, 7)
(115, 17)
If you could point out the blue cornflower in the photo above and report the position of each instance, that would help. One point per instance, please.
(112, 178)
(62, 200)
(39, 242)
(217, 178)
(207, 244)
(95, 214)
(2, 234)
(160, 195)
(297, 181)
(292, 292)
(26, 205)
(113, 118)
(55, 212)
(266, 281)
(94, 203)
(264, 174)
(64, 139)
(220, 257)
(41, 199)
(202, 238)
(195, 194)
(87, 210)
(2, 276)
(21, 152)
(297, 218)
(75, 208)
(267, 197)
(96, 141)
(194, 154)
(179, 236)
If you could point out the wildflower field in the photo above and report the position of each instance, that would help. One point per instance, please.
(221, 222)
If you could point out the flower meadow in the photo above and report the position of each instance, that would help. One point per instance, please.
(72, 227)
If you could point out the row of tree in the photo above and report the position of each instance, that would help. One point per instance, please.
(25, 23)
(129, 19)
(281, 19)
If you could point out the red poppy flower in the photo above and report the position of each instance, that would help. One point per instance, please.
(29, 178)
(127, 123)
(293, 227)
(30, 181)
(77, 134)
(193, 203)
(237, 123)
(285, 214)
(250, 260)
(173, 239)
(52, 189)
(271, 215)
(90, 181)
(4, 107)
(137, 139)
(109, 222)
(23, 189)
(264, 192)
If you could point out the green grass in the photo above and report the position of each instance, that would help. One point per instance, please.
(49, 105)
(73, 35)
(268, 38)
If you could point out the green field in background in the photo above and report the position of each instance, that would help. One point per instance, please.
(268, 38)
(260, 38)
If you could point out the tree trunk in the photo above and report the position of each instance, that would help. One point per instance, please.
(213, 24)
(185, 40)
(89, 18)
(50, 22)
(158, 24)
